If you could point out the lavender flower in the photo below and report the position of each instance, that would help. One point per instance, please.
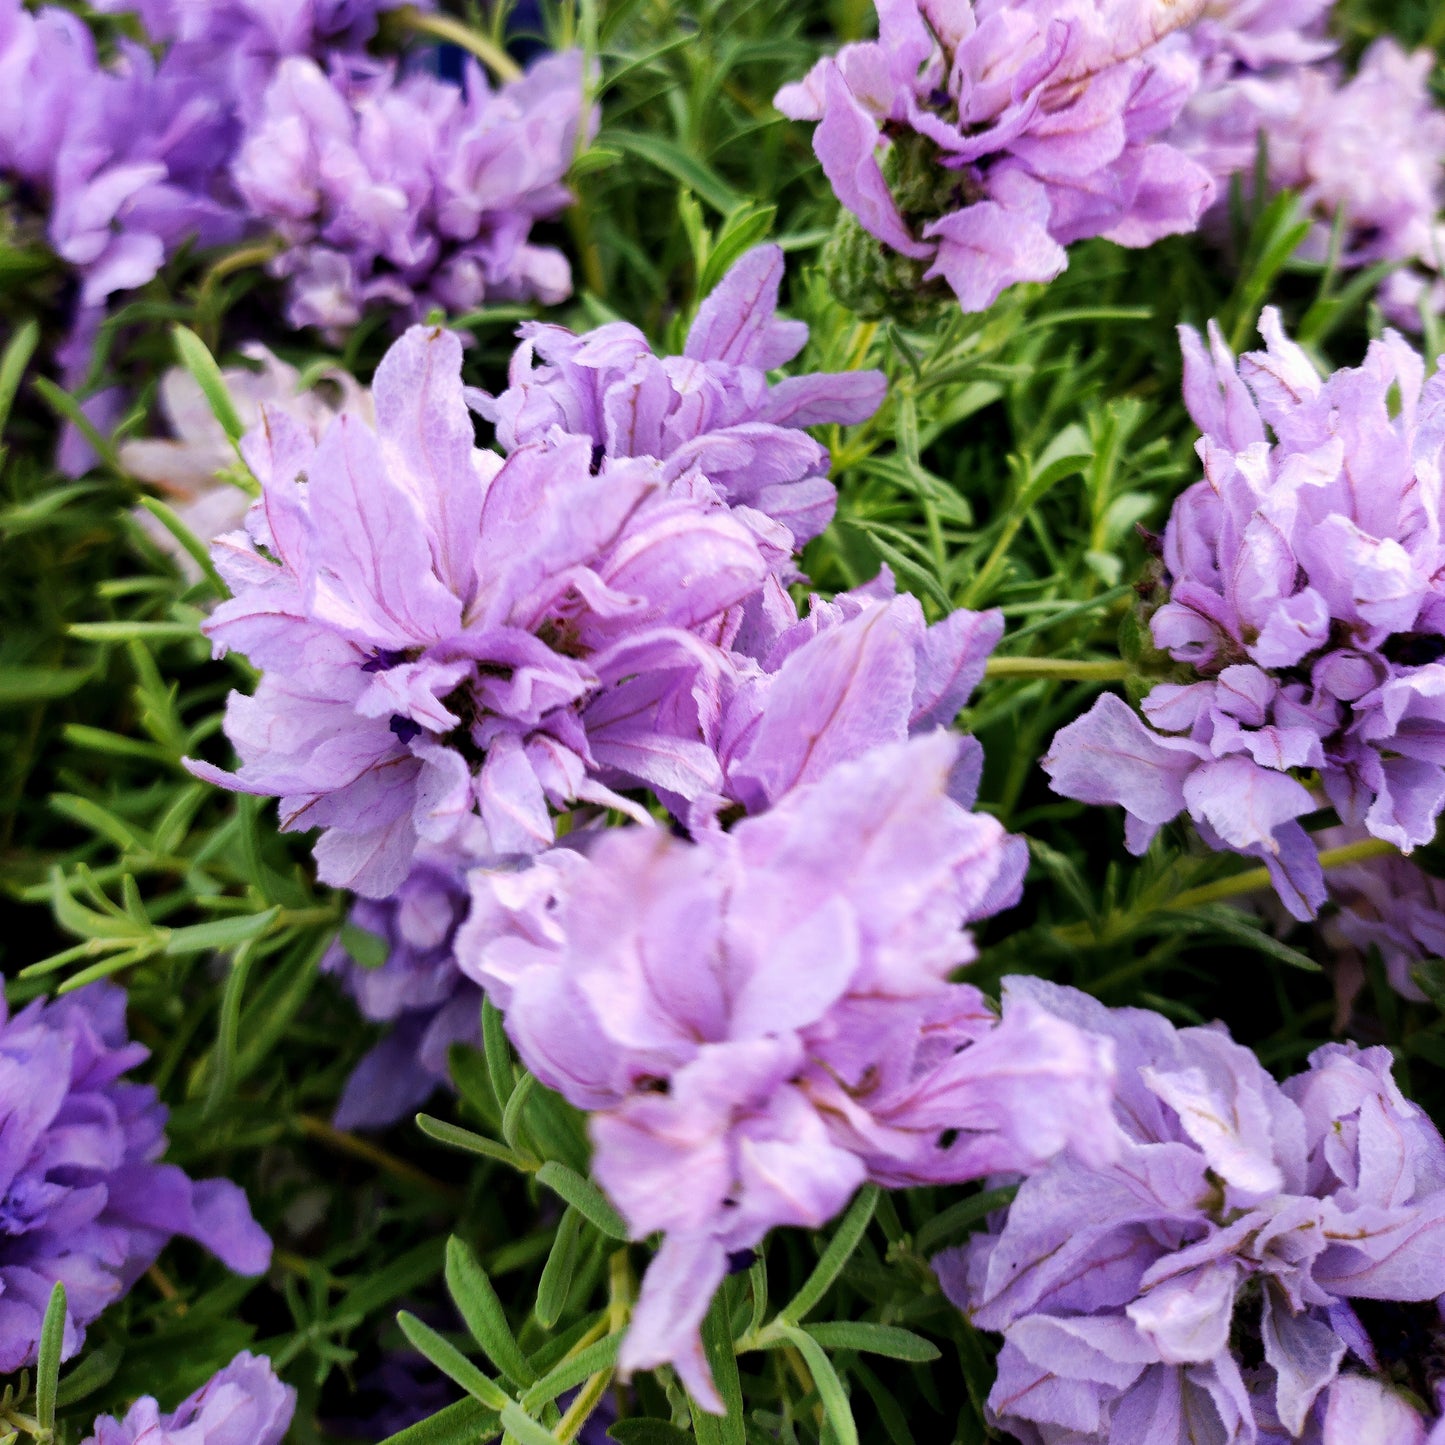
(126, 155)
(418, 990)
(857, 673)
(187, 468)
(242, 1404)
(1201, 1287)
(83, 1200)
(1321, 133)
(761, 1020)
(408, 191)
(1309, 607)
(451, 644)
(712, 408)
(1014, 129)
(267, 27)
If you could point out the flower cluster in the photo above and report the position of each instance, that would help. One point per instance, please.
(451, 643)
(1216, 1281)
(417, 989)
(1012, 129)
(83, 1200)
(710, 410)
(405, 190)
(243, 1404)
(1320, 131)
(1304, 595)
(761, 1020)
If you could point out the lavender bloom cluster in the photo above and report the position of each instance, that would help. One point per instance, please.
(1267, 79)
(404, 190)
(1213, 1282)
(83, 1200)
(760, 1020)
(454, 645)
(242, 1404)
(419, 990)
(1011, 130)
(1304, 595)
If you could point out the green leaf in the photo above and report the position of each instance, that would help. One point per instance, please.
(18, 351)
(585, 1197)
(452, 1363)
(498, 1053)
(455, 1137)
(19, 685)
(648, 1432)
(683, 167)
(742, 230)
(958, 1217)
(465, 1423)
(830, 1388)
(874, 1339)
(601, 1355)
(524, 1429)
(221, 936)
(717, 1344)
(202, 365)
(556, 1282)
(471, 1289)
(368, 950)
(47, 1364)
(840, 1249)
(195, 549)
(68, 409)
(96, 1369)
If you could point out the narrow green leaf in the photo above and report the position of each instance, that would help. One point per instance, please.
(585, 1197)
(830, 1388)
(18, 352)
(195, 549)
(471, 1289)
(597, 1357)
(455, 1137)
(958, 1217)
(96, 1369)
(452, 1363)
(47, 1364)
(19, 685)
(134, 631)
(839, 1251)
(465, 1423)
(683, 167)
(68, 409)
(525, 1430)
(648, 1432)
(512, 1114)
(717, 1344)
(218, 937)
(369, 950)
(556, 1282)
(202, 365)
(874, 1339)
(498, 1053)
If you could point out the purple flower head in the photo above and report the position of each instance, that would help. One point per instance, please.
(265, 27)
(83, 1200)
(1017, 128)
(126, 156)
(857, 673)
(418, 990)
(1204, 1285)
(1321, 133)
(453, 644)
(761, 1020)
(1305, 596)
(711, 409)
(407, 191)
(242, 1404)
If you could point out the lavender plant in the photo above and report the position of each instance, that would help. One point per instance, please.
(587, 569)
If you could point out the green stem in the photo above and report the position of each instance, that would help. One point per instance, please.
(445, 28)
(1063, 668)
(344, 1143)
(1257, 880)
